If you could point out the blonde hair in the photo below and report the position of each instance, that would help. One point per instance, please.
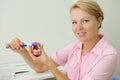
(90, 7)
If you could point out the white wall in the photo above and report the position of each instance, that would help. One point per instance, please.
(48, 21)
(34, 20)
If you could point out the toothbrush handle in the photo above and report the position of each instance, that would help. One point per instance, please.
(24, 45)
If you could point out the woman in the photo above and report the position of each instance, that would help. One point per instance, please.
(89, 58)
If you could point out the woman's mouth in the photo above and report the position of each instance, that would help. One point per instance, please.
(81, 34)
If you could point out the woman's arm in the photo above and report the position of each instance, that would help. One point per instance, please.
(48, 62)
(15, 45)
(39, 64)
(56, 72)
(38, 67)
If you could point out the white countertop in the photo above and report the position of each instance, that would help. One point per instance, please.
(24, 72)
(35, 76)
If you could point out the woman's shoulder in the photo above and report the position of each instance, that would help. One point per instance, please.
(109, 49)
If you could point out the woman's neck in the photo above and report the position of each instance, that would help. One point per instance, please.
(88, 46)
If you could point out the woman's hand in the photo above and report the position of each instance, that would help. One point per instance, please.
(38, 54)
(34, 56)
(15, 45)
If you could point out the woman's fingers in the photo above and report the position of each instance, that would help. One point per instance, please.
(15, 44)
(42, 49)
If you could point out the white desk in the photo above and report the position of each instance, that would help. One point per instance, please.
(32, 75)
(35, 76)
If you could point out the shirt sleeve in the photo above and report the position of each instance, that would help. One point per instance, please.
(60, 58)
(104, 69)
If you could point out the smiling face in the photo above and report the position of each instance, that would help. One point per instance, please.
(84, 25)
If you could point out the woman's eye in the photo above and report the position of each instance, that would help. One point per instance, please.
(74, 22)
(84, 21)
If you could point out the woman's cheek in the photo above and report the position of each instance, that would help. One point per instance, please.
(74, 29)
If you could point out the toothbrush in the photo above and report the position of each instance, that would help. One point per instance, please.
(25, 45)
(35, 48)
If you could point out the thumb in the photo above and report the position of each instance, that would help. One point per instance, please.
(42, 49)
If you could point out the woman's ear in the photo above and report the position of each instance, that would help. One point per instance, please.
(99, 22)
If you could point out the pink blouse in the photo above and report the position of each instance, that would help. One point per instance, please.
(98, 64)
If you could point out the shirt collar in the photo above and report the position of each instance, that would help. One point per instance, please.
(78, 45)
(99, 46)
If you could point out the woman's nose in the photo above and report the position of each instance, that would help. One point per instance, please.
(80, 26)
